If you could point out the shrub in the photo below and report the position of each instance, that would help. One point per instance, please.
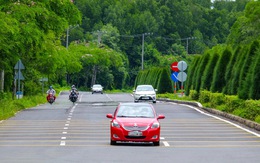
(216, 99)
(204, 96)
(232, 102)
(252, 109)
(194, 95)
(240, 112)
(257, 119)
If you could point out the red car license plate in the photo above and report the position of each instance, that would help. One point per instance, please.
(135, 133)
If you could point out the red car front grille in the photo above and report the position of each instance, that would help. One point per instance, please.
(135, 128)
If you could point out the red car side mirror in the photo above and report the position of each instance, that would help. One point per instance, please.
(109, 116)
(160, 117)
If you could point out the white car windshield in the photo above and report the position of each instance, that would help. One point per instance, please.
(144, 88)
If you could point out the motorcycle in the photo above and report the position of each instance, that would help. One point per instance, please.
(73, 96)
(50, 98)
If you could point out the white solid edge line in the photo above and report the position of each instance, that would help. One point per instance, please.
(242, 128)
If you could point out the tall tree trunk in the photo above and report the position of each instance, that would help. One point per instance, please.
(2, 80)
(94, 74)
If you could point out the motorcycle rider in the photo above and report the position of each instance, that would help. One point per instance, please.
(73, 88)
(51, 90)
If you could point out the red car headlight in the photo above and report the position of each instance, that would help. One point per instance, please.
(115, 124)
(155, 125)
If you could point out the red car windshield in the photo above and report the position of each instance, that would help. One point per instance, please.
(135, 112)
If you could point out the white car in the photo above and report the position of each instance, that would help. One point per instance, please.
(97, 88)
(144, 93)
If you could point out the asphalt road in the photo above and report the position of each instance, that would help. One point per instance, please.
(64, 132)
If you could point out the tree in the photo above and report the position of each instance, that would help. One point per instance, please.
(33, 37)
(246, 73)
(247, 27)
(201, 68)
(218, 81)
(208, 72)
(190, 74)
(254, 91)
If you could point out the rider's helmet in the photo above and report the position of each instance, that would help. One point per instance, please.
(50, 87)
(73, 86)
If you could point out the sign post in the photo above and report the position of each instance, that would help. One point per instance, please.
(175, 79)
(182, 76)
(19, 76)
(174, 74)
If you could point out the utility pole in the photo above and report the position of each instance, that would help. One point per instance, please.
(67, 34)
(67, 39)
(143, 52)
(143, 48)
(187, 42)
(100, 33)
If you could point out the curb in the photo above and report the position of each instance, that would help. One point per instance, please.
(238, 119)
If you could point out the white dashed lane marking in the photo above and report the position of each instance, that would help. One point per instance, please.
(67, 124)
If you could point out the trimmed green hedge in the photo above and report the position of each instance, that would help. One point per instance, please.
(159, 78)
(248, 109)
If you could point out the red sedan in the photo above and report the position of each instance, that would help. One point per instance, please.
(135, 122)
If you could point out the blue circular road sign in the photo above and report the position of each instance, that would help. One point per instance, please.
(174, 76)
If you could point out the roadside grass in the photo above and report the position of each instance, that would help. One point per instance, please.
(9, 107)
(172, 96)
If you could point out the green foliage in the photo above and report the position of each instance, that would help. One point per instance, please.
(234, 86)
(246, 76)
(204, 96)
(194, 95)
(230, 71)
(257, 119)
(9, 107)
(31, 32)
(255, 87)
(252, 109)
(207, 75)
(164, 83)
(248, 109)
(124, 23)
(218, 81)
(32, 88)
(159, 78)
(216, 99)
(246, 28)
(107, 65)
(232, 103)
(240, 112)
(201, 68)
(190, 73)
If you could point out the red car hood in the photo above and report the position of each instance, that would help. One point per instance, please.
(133, 121)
